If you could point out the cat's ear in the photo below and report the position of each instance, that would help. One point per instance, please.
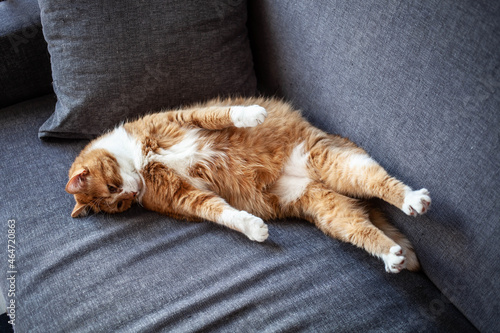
(80, 210)
(76, 184)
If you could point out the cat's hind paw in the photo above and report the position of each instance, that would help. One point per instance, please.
(247, 116)
(416, 202)
(395, 260)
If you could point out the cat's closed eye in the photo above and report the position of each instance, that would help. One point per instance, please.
(112, 188)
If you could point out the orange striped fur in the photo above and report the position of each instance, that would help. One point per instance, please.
(238, 161)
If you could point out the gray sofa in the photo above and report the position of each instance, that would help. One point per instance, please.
(416, 83)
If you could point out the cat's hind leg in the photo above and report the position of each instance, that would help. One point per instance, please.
(349, 170)
(347, 219)
(379, 220)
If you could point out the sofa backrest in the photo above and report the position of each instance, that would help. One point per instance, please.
(25, 65)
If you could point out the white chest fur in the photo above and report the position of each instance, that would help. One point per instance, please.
(182, 156)
(127, 151)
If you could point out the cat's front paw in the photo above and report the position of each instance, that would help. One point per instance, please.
(247, 116)
(416, 202)
(395, 260)
(252, 226)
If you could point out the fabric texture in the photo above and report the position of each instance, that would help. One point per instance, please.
(114, 62)
(24, 66)
(416, 83)
(142, 272)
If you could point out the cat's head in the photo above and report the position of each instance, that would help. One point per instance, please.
(100, 183)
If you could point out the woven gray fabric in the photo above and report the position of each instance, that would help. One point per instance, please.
(416, 83)
(24, 60)
(113, 62)
(142, 272)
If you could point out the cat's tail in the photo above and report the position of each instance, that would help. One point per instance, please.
(379, 220)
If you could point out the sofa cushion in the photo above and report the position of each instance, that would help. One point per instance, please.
(142, 272)
(114, 62)
(25, 65)
(416, 83)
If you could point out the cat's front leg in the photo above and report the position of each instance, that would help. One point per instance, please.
(247, 116)
(219, 117)
(209, 206)
(172, 195)
(252, 226)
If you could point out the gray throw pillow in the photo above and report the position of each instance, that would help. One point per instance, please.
(112, 61)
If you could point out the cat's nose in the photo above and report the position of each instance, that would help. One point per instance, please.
(130, 195)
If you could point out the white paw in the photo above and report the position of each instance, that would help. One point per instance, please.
(394, 261)
(247, 116)
(416, 202)
(252, 226)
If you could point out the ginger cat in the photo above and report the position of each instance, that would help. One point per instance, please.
(238, 161)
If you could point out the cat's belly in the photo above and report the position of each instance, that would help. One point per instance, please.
(265, 190)
(258, 181)
(243, 187)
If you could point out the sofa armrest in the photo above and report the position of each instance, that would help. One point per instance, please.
(25, 66)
